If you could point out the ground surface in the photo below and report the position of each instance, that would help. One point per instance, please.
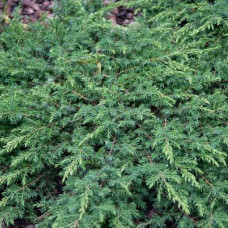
(31, 9)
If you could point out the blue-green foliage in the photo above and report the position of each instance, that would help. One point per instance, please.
(106, 126)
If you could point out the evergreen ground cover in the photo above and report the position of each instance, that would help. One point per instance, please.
(104, 126)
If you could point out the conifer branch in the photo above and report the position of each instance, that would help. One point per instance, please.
(113, 144)
(80, 95)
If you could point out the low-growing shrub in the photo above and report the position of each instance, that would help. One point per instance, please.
(110, 126)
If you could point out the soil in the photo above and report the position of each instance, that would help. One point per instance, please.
(31, 10)
(121, 15)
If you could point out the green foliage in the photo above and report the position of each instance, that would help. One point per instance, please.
(106, 126)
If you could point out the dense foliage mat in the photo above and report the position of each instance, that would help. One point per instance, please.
(106, 126)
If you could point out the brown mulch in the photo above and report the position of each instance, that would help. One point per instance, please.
(31, 10)
(121, 15)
